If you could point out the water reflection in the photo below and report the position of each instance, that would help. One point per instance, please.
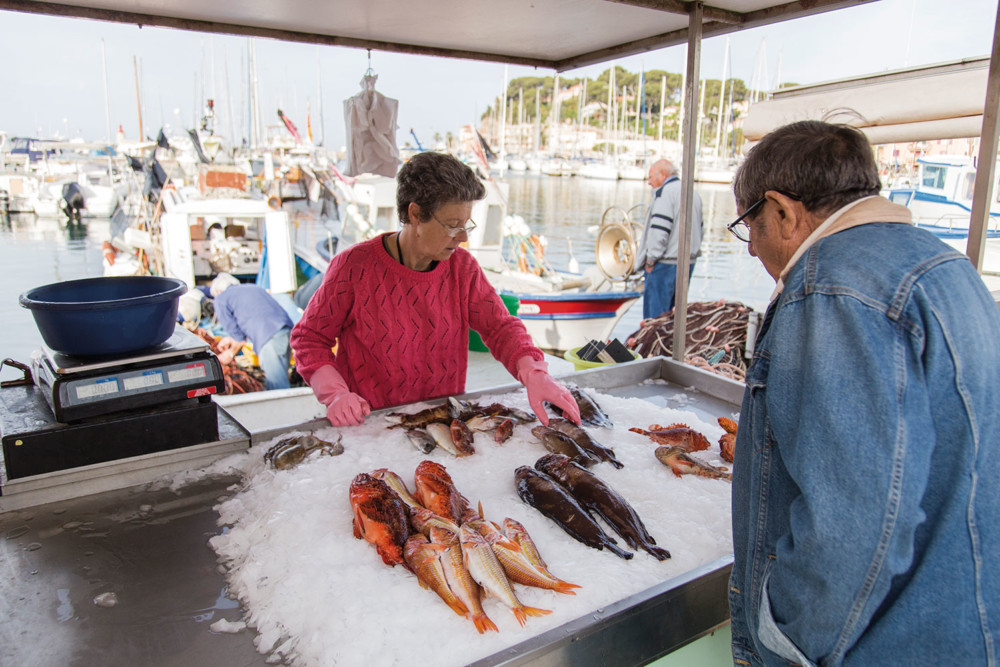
(37, 251)
(562, 208)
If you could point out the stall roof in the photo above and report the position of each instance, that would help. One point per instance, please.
(951, 101)
(556, 34)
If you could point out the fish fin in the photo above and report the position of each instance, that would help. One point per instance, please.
(357, 529)
(481, 515)
(457, 606)
(534, 611)
(659, 553)
(483, 623)
(565, 587)
(618, 551)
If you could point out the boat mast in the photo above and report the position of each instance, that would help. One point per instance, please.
(138, 101)
(319, 95)
(538, 121)
(501, 158)
(701, 114)
(107, 103)
(682, 122)
(229, 98)
(579, 118)
(640, 109)
(555, 112)
(722, 97)
(520, 121)
(607, 113)
(663, 101)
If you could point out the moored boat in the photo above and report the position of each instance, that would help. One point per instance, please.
(941, 197)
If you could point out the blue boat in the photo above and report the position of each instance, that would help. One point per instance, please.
(941, 197)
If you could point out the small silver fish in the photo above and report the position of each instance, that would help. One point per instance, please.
(421, 440)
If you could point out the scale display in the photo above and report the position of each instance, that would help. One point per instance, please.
(185, 375)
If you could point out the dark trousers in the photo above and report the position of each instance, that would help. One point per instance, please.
(661, 283)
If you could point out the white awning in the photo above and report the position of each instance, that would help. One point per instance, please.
(555, 34)
(936, 102)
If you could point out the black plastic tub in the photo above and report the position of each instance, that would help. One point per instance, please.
(105, 316)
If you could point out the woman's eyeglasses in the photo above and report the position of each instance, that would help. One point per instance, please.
(454, 231)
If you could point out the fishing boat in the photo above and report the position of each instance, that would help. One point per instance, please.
(941, 196)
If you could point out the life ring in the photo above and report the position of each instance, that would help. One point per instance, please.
(108, 251)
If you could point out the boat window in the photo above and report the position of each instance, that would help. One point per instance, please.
(970, 185)
(385, 218)
(901, 197)
(933, 176)
(493, 231)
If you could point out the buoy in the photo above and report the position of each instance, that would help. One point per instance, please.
(108, 251)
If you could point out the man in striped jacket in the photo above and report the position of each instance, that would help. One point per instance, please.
(658, 250)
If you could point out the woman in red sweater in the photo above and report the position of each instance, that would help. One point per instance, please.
(399, 308)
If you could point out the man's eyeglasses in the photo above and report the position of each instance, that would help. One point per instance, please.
(740, 228)
(454, 231)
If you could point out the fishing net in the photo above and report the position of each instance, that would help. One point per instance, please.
(716, 337)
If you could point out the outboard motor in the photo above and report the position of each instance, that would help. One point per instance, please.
(73, 203)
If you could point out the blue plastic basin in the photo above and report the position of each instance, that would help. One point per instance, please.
(105, 316)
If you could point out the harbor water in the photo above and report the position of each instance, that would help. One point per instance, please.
(565, 211)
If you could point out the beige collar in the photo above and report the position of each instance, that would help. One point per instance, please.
(860, 212)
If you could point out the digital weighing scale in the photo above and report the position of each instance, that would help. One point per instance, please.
(85, 411)
(76, 388)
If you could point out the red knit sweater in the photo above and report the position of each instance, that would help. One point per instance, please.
(403, 335)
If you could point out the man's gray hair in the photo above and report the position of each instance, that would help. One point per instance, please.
(827, 166)
(432, 180)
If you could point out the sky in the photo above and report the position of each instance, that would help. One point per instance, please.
(58, 90)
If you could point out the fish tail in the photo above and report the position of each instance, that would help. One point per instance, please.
(532, 611)
(659, 553)
(458, 607)
(483, 623)
(564, 587)
(618, 551)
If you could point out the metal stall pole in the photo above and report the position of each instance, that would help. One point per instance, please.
(682, 225)
(983, 192)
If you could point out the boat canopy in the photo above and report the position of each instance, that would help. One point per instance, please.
(943, 101)
(557, 35)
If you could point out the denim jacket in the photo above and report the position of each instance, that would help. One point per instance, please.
(866, 485)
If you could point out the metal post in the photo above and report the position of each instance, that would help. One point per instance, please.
(985, 168)
(683, 222)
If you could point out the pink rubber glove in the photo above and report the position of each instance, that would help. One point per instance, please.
(534, 375)
(343, 407)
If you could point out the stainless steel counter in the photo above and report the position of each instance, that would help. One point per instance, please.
(149, 547)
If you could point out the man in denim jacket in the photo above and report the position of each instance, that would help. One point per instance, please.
(866, 487)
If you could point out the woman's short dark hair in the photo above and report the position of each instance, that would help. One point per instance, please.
(432, 180)
(828, 166)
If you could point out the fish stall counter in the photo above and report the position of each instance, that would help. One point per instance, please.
(242, 563)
